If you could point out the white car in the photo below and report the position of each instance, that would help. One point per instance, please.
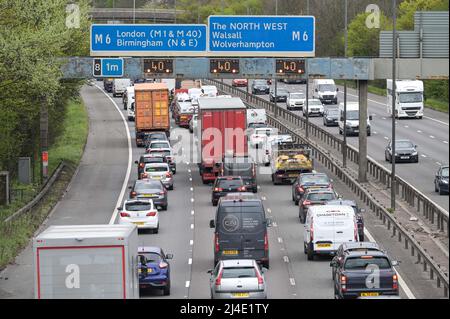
(159, 171)
(296, 101)
(209, 90)
(258, 136)
(157, 145)
(130, 112)
(140, 212)
(315, 107)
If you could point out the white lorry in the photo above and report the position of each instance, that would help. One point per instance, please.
(409, 98)
(325, 90)
(352, 124)
(86, 262)
(327, 227)
(120, 86)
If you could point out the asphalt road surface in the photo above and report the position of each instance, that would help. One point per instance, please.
(101, 185)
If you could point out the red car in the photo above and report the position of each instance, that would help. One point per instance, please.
(240, 82)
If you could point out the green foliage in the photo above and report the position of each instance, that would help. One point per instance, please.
(409, 7)
(34, 39)
(363, 41)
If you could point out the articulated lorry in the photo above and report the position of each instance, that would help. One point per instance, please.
(151, 110)
(409, 98)
(222, 124)
(86, 262)
(290, 160)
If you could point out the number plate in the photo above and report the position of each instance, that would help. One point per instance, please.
(404, 157)
(230, 252)
(149, 195)
(139, 223)
(241, 295)
(324, 245)
(369, 294)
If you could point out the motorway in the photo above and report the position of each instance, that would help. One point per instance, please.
(431, 135)
(108, 168)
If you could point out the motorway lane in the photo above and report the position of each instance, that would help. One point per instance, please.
(430, 134)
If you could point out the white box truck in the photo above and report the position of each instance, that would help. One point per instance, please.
(325, 90)
(409, 98)
(86, 262)
(120, 86)
(352, 124)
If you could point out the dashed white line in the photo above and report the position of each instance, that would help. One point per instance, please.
(274, 224)
(406, 126)
(440, 164)
(190, 179)
(191, 242)
(189, 171)
(419, 131)
(286, 259)
(190, 261)
(386, 138)
(192, 212)
(423, 155)
(192, 226)
(263, 198)
(188, 283)
(280, 240)
(192, 200)
(269, 210)
(431, 136)
(292, 281)
(445, 142)
(192, 189)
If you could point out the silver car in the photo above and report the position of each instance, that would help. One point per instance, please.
(160, 172)
(237, 279)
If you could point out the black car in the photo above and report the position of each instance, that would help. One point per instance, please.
(331, 117)
(226, 184)
(306, 181)
(243, 167)
(441, 180)
(260, 87)
(155, 136)
(293, 81)
(355, 272)
(358, 212)
(148, 158)
(314, 197)
(240, 229)
(150, 189)
(108, 84)
(405, 151)
(282, 95)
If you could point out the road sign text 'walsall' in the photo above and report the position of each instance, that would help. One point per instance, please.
(270, 36)
(148, 40)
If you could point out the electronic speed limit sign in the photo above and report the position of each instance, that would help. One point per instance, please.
(107, 67)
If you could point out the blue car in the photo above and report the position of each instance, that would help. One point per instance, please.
(154, 269)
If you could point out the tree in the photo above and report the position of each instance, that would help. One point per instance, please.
(408, 8)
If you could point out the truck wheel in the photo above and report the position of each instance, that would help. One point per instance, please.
(164, 207)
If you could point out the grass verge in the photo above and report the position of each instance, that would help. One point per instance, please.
(69, 147)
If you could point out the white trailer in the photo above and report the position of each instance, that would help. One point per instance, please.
(409, 98)
(86, 262)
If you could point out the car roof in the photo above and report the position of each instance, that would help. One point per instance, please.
(152, 155)
(347, 202)
(319, 190)
(149, 249)
(156, 165)
(147, 181)
(238, 263)
(322, 209)
(359, 253)
(228, 177)
(360, 244)
(313, 174)
(134, 200)
(159, 141)
(233, 200)
(246, 195)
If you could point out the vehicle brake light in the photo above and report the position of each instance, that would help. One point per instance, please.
(306, 203)
(266, 242)
(300, 189)
(141, 165)
(344, 283)
(163, 265)
(168, 174)
(152, 214)
(219, 278)
(133, 194)
(260, 278)
(218, 189)
(395, 282)
(311, 231)
(162, 193)
(123, 214)
(366, 257)
(145, 175)
(356, 230)
(216, 242)
(242, 189)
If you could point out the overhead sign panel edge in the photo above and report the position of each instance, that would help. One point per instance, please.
(148, 39)
(268, 36)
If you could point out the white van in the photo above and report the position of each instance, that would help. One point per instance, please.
(128, 97)
(327, 227)
(210, 90)
(352, 125)
(409, 98)
(257, 116)
(325, 91)
(120, 86)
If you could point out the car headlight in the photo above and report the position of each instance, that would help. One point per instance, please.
(414, 154)
(444, 181)
(396, 154)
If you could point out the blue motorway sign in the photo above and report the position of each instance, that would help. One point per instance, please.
(148, 39)
(274, 36)
(107, 67)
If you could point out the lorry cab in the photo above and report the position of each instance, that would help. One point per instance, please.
(352, 124)
(327, 227)
(183, 113)
(325, 90)
(409, 98)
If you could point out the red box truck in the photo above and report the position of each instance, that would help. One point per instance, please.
(222, 123)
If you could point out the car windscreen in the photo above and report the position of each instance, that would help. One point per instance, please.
(260, 82)
(256, 125)
(404, 144)
(261, 131)
(362, 263)
(153, 160)
(238, 169)
(352, 115)
(327, 87)
(233, 183)
(314, 103)
(412, 97)
(159, 145)
(444, 172)
(161, 152)
(281, 91)
(297, 96)
(321, 196)
(140, 186)
(137, 206)
(155, 137)
(314, 179)
(238, 272)
(152, 257)
(155, 169)
(333, 113)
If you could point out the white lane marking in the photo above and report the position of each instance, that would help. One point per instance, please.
(192, 200)
(190, 261)
(445, 142)
(269, 210)
(263, 198)
(190, 179)
(431, 136)
(375, 132)
(192, 189)
(402, 283)
(406, 126)
(419, 131)
(439, 163)
(286, 259)
(187, 163)
(192, 212)
(386, 138)
(280, 240)
(384, 104)
(130, 155)
(191, 242)
(188, 283)
(274, 224)
(384, 118)
(292, 281)
(423, 155)
(192, 226)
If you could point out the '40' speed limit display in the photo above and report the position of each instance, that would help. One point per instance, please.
(291, 66)
(158, 66)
